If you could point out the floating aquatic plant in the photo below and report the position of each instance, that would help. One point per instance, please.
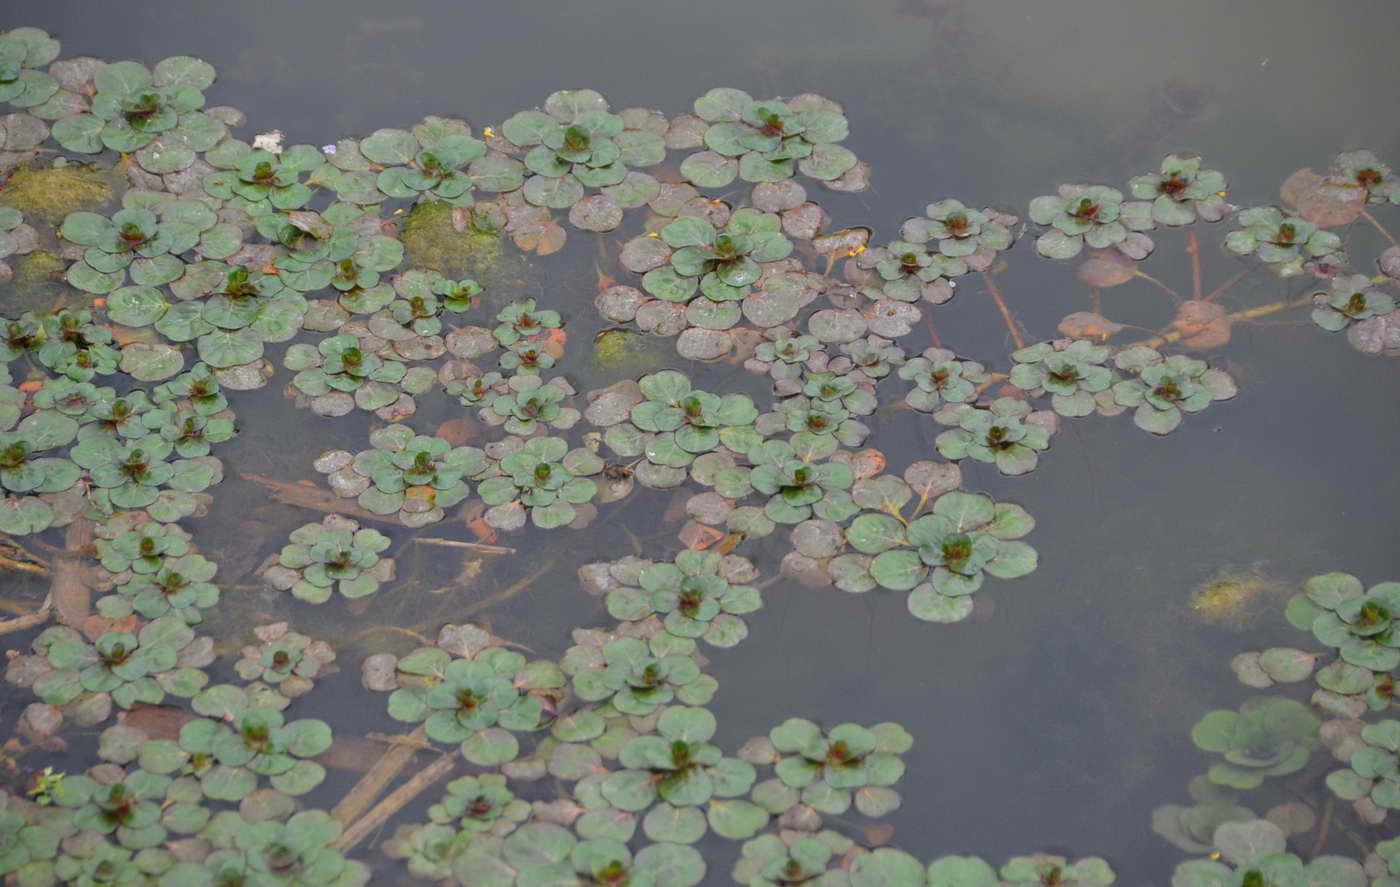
(1005, 433)
(544, 476)
(1268, 736)
(1167, 387)
(1091, 215)
(333, 555)
(410, 475)
(1182, 192)
(1070, 372)
(1282, 240)
(1349, 299)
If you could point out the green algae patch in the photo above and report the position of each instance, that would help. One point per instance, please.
(51, 193)
(618, 349)
(431, 240)
(36, 270)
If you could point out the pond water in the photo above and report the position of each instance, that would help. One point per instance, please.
(1057, 717)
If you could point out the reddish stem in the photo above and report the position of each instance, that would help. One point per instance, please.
(1194, 249)
(1005, 311)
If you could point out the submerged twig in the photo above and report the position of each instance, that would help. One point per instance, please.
(71, 596)
(395, 758)
(474, 546)
(395, 801)
(427, 642)
(28, 620)
(513, 590)
(1323, 829)
(1377, 225)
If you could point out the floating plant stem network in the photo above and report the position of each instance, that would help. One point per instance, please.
(186, 261)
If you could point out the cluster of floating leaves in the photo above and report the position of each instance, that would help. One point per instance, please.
(219, 247)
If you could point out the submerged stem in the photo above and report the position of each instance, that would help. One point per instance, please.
(1260, 311)
(1005, 312)
(1194, 248)
(1377, 225)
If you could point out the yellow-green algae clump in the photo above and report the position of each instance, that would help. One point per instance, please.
(1236, 597)
(432, 241)
(51, 193)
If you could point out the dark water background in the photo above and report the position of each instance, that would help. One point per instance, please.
(1060, 721)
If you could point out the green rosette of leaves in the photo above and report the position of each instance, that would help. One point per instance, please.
(939, 377)
(411, 475)
(197, 389)
(1284, 241)
(771, 140)
(75, 347)
(24, 466)
(820, 426)
(1167, 387)
(793, 857)
(480, 804)
(437, 160)
(154, 115)
(687, 422)
(1095, 216)
(243, 736)
(942, 557)
(124, 545)
(333, 555)
(904, 270)
(799, 489)
(297, 852)
(23, 51)
(1047, 868)
(626, 674)
(1374, 769)
(193, 435)
(27, 840)
(1360, 623)
(521, 320)
(1268, 736)
(128, 667)
(678, 765)
(180, 587)
(141, 242)
(262, 181)
(545, 477)
(129, 811)
(531, 406)
(1182, 192)
(1363, 168)
(556, 854)
(1005, 433)
(1348, 299)
(471, 696)
(339, 375)
(287, 660)
(693, 595)
(1070, 372)
(130, 474)
(962, 232)
(1256, 852)
(477, 388)
(576, 144)
(831, 768)
(723, 263)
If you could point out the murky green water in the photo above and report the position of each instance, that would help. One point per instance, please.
(1058, 717)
